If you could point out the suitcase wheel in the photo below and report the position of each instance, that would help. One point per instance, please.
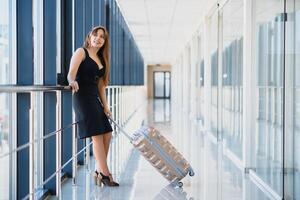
(191, 173)
(180, 184)
(177, 184)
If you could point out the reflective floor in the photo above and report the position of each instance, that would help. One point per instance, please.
(216, 175)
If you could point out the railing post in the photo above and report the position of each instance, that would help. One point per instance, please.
(87, 153)
(110, 108)
(31, 148)
(120, 122)
(112, 149)
(116, 154)
(74, 151)
(121, 107)
(58, 144)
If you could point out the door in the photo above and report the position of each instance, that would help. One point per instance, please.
(162, 85)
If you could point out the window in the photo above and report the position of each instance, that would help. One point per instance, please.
(269, 27)
(6, 77)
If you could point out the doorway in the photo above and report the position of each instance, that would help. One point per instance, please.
(162, 85)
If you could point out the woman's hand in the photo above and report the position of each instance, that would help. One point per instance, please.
(74, 86)
(107, 111)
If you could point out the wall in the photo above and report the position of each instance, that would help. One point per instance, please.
(150, 70)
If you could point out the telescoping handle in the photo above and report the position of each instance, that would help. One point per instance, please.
(120, 128)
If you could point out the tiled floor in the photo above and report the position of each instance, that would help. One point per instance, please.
(217, 177)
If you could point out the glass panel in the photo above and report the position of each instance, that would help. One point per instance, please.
(255, 193)
(292, 101)
(232, 180)
(211, 149)
(200, 81)
(296, 106)
(269, 91)
(5, 99)
(232, 78)
(4, 145)
(38, 96)
(159, 84)
(211, 178)
(168, 82)
(214, 72)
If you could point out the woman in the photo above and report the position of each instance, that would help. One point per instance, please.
(88, 76)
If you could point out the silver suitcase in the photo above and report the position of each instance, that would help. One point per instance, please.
(160, 153)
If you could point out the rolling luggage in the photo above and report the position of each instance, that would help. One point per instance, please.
(160, 153)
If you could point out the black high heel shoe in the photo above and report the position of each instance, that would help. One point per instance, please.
(97, 178)
(107, 180)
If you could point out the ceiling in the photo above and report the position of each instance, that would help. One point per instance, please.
(161, 28)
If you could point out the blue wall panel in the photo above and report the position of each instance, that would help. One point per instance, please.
(49, 98)
(79, 39)
(67, 133)
(97, 13)
(24, 77)
(23, 106)
(79, 23)
(67, 96)
(25, 43)
(49, 45)
(49, 143)
(88, 21)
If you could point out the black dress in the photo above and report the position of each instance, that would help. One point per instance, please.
(89, 112)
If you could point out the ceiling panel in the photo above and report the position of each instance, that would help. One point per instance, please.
(162, 27)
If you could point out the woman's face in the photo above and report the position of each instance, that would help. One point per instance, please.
(97, 39)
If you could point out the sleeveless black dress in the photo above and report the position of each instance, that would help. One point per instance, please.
(89, 112)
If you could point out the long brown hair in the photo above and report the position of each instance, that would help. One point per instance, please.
(103, 52)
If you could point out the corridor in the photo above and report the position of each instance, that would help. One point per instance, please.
(214, 171)
(219, 78)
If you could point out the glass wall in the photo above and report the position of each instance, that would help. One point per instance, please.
(292, 100)
(269, 63)
(5, 99)
(200, 79)
(260, 72)
(211, 153)
(296, 106)
(232, 76)
(127, 63)
(214, 71)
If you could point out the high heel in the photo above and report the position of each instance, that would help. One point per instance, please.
(107, 180)
(97, 178)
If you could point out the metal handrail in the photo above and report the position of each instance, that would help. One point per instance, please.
(36, 88)
(31, 88)
(74, 156)
(36, 140)
(57, 171)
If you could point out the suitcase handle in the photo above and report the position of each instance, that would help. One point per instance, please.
(119, 127)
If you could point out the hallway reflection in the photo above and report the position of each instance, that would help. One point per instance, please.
(171, 193)
(162, 110)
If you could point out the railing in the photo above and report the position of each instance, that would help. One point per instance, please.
(124, 102)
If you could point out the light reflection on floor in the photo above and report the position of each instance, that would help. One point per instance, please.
(216, 176)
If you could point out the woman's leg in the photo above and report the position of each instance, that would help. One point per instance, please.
(100, 154)
(106, 141)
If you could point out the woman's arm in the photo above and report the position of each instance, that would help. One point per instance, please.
(76, 59)
(102, 95)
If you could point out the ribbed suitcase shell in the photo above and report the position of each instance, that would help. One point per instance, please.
(161, 154)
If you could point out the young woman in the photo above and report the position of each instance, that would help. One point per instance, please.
(88, 76)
